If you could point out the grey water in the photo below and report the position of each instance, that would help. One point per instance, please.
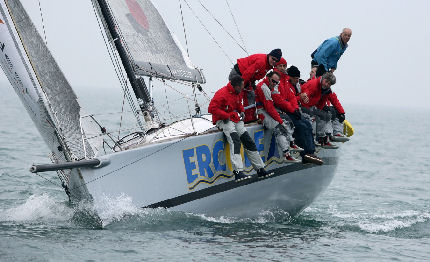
(376, 209)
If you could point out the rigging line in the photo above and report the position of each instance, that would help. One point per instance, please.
(225, 30)
(43, 24)
(122, 113)
(49, 180)
(237, 27)
(183, 25)
(117, 67)
(213, 38)
(185, 96)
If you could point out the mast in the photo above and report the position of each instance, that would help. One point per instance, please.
(137, 83)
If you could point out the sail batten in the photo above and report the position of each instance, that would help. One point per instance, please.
(152, 49)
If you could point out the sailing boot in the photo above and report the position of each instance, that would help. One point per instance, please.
(311, 159)
(294, 147)
(240, 176)
(262, 173)
(288, 158)
(339, 138)
(325, 143)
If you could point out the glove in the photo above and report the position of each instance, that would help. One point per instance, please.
(297, 114)
(326, 108)
(341, 117)
(242, 116)
(234, 116)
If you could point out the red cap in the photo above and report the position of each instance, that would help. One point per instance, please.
(282, 61)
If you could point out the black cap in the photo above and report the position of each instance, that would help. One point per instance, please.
(276, 53)
(293, 71)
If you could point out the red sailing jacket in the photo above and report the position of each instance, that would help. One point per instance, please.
(226, 104)
(265, 100)
(253, 67)
(285, 99)
(313, 89)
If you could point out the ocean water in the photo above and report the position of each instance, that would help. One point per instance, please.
(376, 209)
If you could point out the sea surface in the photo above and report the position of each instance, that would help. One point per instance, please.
(376, 209)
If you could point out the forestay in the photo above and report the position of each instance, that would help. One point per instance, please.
(152, 49)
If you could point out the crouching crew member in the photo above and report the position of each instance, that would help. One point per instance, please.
(287, 103)
(319, 92)
(251, 69)
(227, 110)
(282, 130)
(326, 56)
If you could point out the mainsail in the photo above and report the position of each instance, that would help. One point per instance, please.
(151, 47)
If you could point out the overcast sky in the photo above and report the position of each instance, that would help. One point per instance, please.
(386, 62)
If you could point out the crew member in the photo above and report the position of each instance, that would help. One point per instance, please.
(286, 102)
(289, 97)
(227, 111)
(319, 92)
(251, 69)
(282, 130)
(329, 52)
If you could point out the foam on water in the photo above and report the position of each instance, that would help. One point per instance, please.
(394, 221)
(382, 222)
(37, 208)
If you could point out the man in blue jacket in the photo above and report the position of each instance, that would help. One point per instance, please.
(329, 52)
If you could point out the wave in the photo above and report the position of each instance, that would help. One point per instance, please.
(38, 208)
(375, 222)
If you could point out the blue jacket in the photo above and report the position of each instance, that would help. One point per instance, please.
(329, 52)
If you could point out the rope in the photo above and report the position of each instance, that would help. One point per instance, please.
(183, 25)
(225, 30)
(237, 27)
(213, 38)
(43, 24)
(122, 113)
(55, 184)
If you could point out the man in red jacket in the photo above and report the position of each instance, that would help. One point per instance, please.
(227, 110)
(251, 69)
(286, 102)
(319, 92)
(282, 130)
(285, 99)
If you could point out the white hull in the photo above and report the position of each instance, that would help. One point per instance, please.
(156, 175)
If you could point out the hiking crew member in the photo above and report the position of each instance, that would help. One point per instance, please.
(329, 52)
(227, 111)
(319, 92)
(282, 130)
(287, 103)
(290, 104)
(251, 69)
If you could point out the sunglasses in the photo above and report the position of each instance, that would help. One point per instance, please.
(275, 82)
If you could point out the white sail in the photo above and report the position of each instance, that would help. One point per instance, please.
(40, 84)
(149, 43)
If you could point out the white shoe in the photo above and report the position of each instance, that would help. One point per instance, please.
(290, 159)
(339, 138)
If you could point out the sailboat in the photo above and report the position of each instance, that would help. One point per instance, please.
(183, 165)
